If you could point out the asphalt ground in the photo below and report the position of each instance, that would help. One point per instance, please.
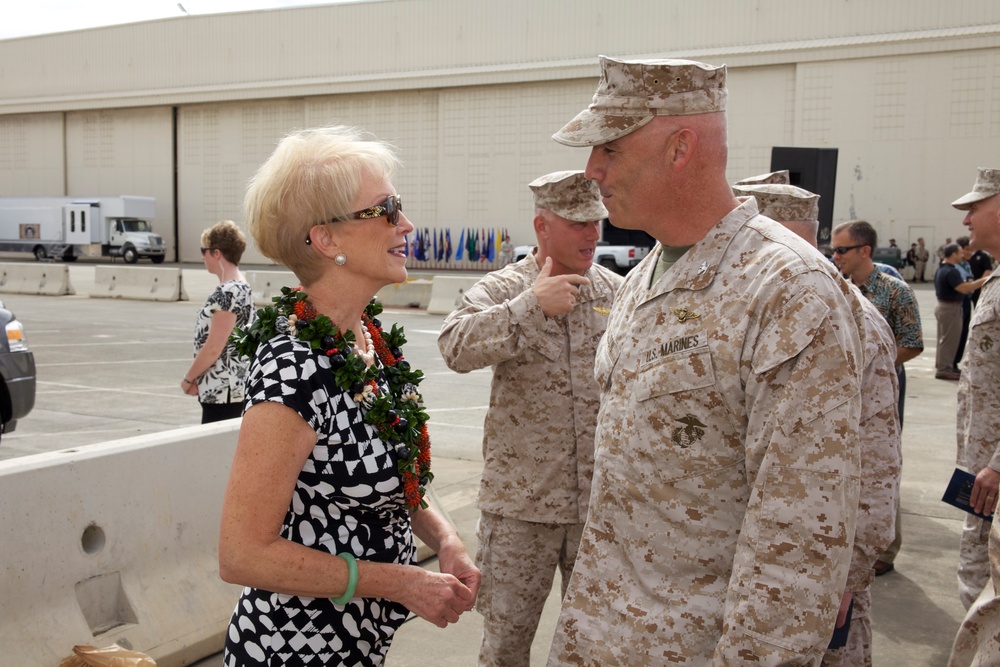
(110, 369)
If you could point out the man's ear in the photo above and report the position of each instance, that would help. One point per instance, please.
(681, 147)
(541, 226)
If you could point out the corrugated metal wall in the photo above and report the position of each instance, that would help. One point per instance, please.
(907, 90)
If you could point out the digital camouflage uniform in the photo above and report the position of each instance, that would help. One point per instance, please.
(538, 441)
(979, 430)
(978, 639)
(881, 463)
(881, 452)
(726, 490)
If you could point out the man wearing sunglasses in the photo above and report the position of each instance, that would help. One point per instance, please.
(537, 323)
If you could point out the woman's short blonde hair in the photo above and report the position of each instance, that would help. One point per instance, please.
(227, 238)
(313, 176)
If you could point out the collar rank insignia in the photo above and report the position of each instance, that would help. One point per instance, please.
(683, 314)
(703, 268)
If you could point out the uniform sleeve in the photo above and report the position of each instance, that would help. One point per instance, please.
(803, 410)
(881, 458)
(498, 319)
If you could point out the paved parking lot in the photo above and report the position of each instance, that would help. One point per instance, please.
(109, 369)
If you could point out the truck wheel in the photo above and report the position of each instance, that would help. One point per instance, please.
(158, 259)
(40, 253)
(130, 255)
(608, 263)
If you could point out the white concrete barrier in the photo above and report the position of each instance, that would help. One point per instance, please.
(46, 278)
(264, 285)
(116, 543)
(141, 283)
(446, 293)
(414, 293)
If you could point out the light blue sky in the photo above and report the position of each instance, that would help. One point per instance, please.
(37, 17)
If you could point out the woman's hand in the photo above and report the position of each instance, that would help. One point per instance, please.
(434, 597)
(453, 559)
(189, 388)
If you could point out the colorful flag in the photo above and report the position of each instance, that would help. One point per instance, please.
(492, 246)
(461, 246)
(447, 245)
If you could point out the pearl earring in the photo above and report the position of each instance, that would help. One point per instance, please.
(340, 259)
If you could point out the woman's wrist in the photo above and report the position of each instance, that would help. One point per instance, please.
(187, 381)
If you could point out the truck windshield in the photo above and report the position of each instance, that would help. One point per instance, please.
(135, 225)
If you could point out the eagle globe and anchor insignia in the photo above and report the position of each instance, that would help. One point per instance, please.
(690, 433)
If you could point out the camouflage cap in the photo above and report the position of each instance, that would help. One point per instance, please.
(987, 185)
(633, 92)
(780, 177)
(782, 203)
(569, 194)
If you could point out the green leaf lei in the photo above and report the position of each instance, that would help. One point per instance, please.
(398, 417)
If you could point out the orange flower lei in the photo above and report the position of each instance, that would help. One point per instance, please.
(398, 416)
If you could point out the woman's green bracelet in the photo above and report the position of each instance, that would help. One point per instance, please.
(352, 579)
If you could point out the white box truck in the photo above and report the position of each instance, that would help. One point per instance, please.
(69, 227)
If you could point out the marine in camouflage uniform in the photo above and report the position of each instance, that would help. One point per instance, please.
(726, 488)
(881, 451)
(538, 444)
(978, 400)
(978, 639)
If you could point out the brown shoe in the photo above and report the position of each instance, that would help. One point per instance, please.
(883, 568)
(947, 375)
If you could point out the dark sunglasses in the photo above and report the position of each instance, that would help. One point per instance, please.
(390, 208)
(204, 250)
(843, 249)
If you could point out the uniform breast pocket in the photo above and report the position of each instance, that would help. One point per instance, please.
(680, 398)
(985, 331)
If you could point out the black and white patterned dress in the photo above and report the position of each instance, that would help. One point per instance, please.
(348, 497)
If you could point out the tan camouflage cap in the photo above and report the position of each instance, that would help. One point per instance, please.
(633, 92)
(782, 203)
(987, 185)
(569, 194)
(780, 177)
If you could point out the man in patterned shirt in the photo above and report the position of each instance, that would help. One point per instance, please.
(726, 477)
(978, 400)
(853, 243)
(537, 322)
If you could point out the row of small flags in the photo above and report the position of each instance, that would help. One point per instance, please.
(474, 245)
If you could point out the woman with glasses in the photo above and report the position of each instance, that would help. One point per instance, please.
(327, 484)
(216, 374)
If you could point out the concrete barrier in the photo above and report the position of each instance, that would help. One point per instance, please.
(264, 285)
(140, 283)
(116, 543)
(446, 293)
(45, 278)
(414, 293)
(267, 284)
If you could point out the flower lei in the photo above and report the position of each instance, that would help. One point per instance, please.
(398, 417)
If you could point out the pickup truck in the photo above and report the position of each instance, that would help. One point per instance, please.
(619, 258)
